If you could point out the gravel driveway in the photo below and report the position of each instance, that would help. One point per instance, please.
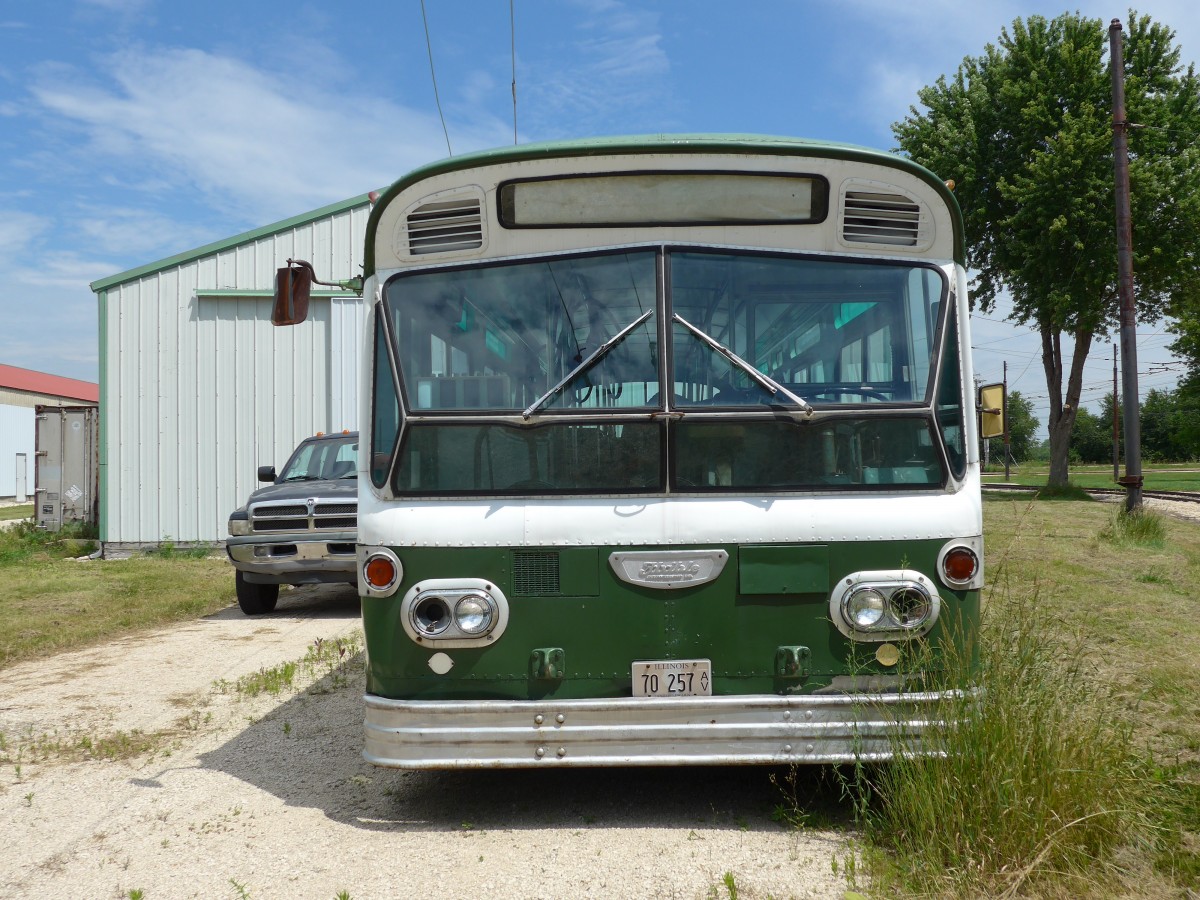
(268, 796)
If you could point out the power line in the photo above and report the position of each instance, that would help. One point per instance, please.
(433, 77)
(512, 31)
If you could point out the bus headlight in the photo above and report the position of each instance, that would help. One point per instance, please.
(454, 612)
(864, 608)
(473, 613)
(881, 606)
(430, 615)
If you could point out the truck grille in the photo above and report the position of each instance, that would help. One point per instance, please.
(267, 517)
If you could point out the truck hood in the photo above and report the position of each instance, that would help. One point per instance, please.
(338, 489)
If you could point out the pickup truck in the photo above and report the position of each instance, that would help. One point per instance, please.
(302, 528)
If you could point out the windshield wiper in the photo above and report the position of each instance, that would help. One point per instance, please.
(598, 354)
(766, 382)
(302, 478)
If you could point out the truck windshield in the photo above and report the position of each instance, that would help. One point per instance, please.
(323, 458)
(750, 338)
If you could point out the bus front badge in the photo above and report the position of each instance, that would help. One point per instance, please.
(668, 569)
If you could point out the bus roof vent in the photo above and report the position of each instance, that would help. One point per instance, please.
(881, 214)
(445, 226)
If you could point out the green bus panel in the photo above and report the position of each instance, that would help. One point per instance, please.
(767, 597)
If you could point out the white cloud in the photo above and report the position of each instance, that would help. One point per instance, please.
(19, 231)
(125, 232)
(259, 144)
(119, 6)
(614, 74)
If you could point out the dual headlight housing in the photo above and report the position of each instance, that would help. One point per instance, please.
(454, 612)
(884, 605)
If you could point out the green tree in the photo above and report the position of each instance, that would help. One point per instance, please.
(1170, 424)
(1021, 428)
(1091, 438)
(1025, 131)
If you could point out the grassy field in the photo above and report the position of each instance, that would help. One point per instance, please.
(22, 511)
(53, 601)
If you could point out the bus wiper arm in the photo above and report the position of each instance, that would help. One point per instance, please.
(765, 381)
(594, 357)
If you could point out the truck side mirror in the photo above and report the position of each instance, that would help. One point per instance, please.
(991, 410)
(293, 288)
(266, 473)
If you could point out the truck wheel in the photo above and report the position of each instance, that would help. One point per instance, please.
(255, 599)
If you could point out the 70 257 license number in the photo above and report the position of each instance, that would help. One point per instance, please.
(672, 678)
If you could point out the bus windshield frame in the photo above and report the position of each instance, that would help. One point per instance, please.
(581, 373)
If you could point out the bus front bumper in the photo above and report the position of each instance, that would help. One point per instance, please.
(761, 729)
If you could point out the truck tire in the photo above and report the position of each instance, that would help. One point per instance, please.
(256, 599)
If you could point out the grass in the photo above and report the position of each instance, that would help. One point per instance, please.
(1140, 528)
(1077, 770)
(1068, 491)
(22, 511)
(53, 602)
(323, 659)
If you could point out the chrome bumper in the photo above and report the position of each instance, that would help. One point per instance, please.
(647, 732)
(295, 559)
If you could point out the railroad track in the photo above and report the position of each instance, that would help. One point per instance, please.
(1181, 496)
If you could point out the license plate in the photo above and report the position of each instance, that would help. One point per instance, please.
(672, 678)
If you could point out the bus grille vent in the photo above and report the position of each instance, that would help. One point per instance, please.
(877, 218)
(444, 226)
(536, 574)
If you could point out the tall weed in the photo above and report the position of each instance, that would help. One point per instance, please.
(1040, 778)
(1142, 528)
(25, 541)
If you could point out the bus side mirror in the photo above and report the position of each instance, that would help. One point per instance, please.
(991, 410)
(293, 288)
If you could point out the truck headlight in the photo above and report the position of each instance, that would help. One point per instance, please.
(239, 525)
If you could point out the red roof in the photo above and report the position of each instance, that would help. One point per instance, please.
(15, 379)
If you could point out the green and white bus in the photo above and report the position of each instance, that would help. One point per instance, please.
(670, 454)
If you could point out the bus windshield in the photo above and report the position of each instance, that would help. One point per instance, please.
(496, 341)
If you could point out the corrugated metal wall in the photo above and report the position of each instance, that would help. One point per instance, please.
(198, 388)
(16, 436)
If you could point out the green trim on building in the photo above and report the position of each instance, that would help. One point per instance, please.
(102, 304)
(216, 247)
(650, 144)
(237, 293)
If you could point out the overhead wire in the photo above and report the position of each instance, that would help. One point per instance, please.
(512, 32)
(433, 77)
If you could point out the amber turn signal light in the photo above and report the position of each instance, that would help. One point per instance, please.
(380, 572)
(960, 564)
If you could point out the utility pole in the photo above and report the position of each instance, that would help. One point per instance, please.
(1133, 432)
(1007, 456)
(1116, 427)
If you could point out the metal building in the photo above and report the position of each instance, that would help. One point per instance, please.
(21, 392)
(197, 388)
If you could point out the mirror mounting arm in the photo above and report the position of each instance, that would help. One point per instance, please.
(293, 290)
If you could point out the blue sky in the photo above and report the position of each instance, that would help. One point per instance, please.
(131, 130)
